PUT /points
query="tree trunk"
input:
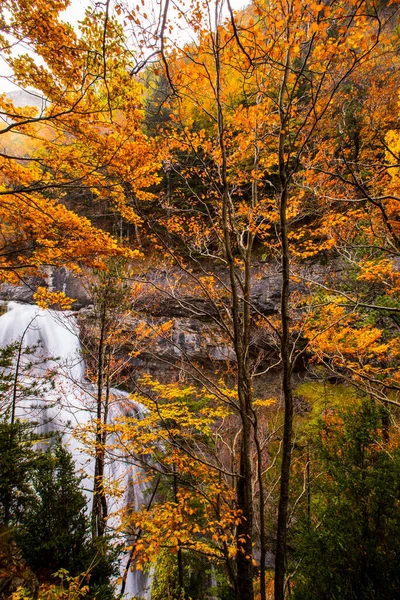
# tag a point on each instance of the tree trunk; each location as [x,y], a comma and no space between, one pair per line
[99,510]
[244,532]
[281,543]
[240,313]
[181,588]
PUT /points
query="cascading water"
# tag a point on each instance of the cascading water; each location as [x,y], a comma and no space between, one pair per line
[65,402]
[55,360]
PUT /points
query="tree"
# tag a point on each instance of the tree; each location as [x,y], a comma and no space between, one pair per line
[347,546]
[17,460]
[54,531]
[189,508]
[104,335]
[59,506]
[358,201]
[17,384]
[249,98]
[78,143]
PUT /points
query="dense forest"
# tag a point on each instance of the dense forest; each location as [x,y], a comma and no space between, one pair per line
[207,200]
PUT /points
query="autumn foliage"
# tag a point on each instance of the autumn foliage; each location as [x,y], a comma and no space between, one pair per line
[83,141]
[261,148]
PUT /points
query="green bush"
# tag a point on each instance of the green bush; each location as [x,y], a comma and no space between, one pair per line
[349,547]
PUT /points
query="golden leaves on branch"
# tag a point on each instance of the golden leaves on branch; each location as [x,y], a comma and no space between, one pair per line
[176,431]
[86,140]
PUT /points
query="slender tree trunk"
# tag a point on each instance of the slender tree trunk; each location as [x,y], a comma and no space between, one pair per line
[99,511]
[288,425]
[15,386]
[308,483]
[241,330]
[179,553]
[138,536]
[261,504]
[240,312]
[16,376]
[244,532]
[244,560]
[14,399]
[281,542]
[263,547]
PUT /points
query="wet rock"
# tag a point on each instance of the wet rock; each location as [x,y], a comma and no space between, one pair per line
[56,280]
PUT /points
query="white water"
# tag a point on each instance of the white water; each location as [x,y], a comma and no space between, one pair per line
[69,404]
[54,338]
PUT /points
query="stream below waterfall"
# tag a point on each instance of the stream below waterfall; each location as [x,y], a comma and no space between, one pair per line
[48,342]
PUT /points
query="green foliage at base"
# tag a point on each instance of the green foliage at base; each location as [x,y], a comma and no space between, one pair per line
[43,505]
[17,462]
[198,579]
[165,582]
[54,530]
[347,544]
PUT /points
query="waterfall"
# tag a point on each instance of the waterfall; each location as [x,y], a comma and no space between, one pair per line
[59,404]
[48,342]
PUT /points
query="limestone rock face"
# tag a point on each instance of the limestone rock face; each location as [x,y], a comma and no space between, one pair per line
[57,280]
[169,296]
[176,303]
[187,340]
[14,572]
[174,299]
[20,293]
